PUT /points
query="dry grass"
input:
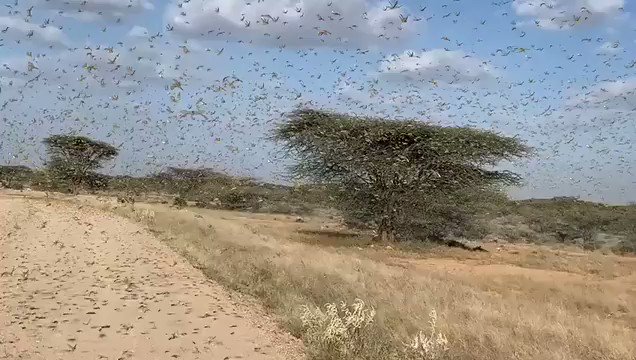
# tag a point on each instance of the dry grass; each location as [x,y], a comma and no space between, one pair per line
[564,221]
[515,302]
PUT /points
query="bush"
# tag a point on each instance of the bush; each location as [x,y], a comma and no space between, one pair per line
[144,216]
[235,200]
[14,185]
[626,245]
[349,332]
[338,331]
[201,204]
[15,177]
[179,202]
[569,221]
[428,346]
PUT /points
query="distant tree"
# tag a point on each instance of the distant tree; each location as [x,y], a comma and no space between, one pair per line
[76,158]
[188,182]
[15,176]
[397,174]
[192,175]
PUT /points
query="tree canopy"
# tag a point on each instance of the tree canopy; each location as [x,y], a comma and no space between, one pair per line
[382,165]
[75,158]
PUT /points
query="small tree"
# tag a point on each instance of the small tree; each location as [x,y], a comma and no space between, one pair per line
[75,158]
[394,172]
[15,176]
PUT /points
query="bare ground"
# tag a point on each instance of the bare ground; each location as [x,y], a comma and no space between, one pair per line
[80,283]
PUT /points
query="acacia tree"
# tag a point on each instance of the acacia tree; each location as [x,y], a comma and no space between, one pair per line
[76,158]
[393,172]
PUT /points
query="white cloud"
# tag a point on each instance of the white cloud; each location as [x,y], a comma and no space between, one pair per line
[617,94]
[95,10]
[610,48]
[437,67]
[18,29]
[138,31]
[566,14]
[298,23]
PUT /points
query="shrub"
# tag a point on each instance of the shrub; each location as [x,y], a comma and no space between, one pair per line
[626,245]
[338,330]
[15,185]
[179,202]
[237,200]
[201,204]
[431,346]
[145,216]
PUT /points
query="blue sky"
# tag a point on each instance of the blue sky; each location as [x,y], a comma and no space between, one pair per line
[200,83]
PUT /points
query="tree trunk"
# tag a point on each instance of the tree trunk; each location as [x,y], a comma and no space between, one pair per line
[75,187]
[386,231]
[386,227]
[386,236]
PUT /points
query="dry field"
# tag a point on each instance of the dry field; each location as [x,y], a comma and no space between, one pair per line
[513,302]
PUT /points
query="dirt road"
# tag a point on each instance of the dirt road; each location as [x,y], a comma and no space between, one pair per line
[78,283]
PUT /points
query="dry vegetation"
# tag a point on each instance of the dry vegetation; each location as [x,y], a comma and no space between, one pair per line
[514,302]
[559,221]
[551,286]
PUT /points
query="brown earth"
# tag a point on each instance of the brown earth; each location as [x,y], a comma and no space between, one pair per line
[80,283]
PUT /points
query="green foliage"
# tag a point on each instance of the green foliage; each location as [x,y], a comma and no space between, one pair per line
[15,177]
[626,245]
[209,188]
[471,214]
[571,219]
[391,172]
[566,221]
[186,182]
[74,159]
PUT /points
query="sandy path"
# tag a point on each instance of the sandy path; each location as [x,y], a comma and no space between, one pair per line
[77,283]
